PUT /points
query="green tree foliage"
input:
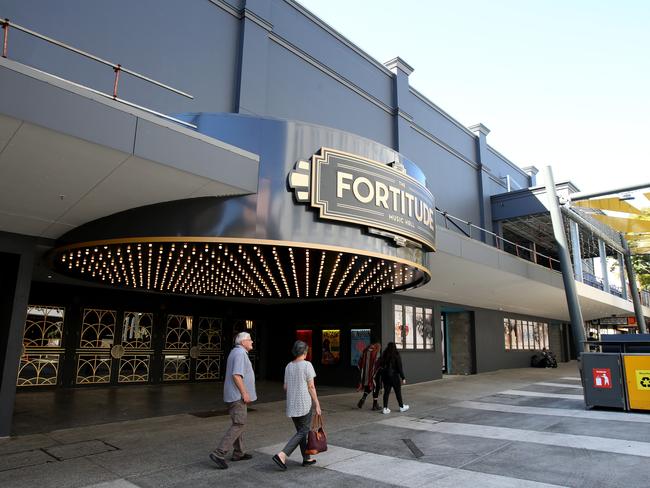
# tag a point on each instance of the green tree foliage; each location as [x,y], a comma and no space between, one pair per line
[641,263]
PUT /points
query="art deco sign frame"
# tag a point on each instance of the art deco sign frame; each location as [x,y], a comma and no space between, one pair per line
[356,190]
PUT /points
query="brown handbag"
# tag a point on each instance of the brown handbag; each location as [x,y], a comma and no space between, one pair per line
[316,439]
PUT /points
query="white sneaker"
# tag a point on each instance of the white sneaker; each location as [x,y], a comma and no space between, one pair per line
[404,408]
[385,411]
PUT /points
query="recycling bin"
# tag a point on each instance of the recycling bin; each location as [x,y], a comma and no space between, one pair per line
[602,380]
[637,380]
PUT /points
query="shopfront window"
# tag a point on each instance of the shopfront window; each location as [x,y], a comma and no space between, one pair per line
[524,334]
[413,327]
[408,328]
[399,326]
[508,333]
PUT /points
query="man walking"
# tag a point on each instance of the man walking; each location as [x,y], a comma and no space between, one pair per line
[238,392]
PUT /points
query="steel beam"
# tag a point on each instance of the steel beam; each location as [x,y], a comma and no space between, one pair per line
[577,323]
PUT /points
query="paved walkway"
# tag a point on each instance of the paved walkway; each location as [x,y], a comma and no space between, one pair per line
[512,428]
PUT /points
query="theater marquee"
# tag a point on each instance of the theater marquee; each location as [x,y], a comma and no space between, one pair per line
[356,190]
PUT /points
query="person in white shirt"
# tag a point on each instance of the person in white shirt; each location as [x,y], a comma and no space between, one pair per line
[302,401]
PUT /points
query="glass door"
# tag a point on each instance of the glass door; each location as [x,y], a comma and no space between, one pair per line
[135,350]
[176,353]
[42,346]
[97,337]
[208,349]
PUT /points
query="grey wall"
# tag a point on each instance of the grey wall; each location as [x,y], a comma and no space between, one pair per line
[490,347]
[491,353]
[471,330]
[420,365]
[559,340]
[262,57]
[448,132]
[193,48]
[452,181]
[500,167]
[298,90]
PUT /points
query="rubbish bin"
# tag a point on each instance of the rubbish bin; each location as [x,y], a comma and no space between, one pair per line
[602,380]
[637,379]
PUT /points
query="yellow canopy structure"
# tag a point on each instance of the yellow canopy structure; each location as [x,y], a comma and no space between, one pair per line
[631,221]
[625,225]
[613,204]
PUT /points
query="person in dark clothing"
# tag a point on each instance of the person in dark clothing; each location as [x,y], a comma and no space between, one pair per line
[392,376]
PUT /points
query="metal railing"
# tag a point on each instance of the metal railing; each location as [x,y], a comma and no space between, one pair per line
[645,297]
[490,238]
[116,67]
[616,290]
[473,231]
[592,280]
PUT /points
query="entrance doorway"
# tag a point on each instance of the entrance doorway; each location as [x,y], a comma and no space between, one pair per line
[105,346]
[458,341]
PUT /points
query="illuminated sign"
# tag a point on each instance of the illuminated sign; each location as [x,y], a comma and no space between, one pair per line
[356,190]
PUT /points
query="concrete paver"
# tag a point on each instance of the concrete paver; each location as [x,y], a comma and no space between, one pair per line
[463,432]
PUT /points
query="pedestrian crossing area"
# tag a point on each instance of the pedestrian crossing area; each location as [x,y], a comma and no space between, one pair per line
[567,396]
[406,472]
[468,443]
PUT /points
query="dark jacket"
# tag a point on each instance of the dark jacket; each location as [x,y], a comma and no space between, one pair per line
[393,368]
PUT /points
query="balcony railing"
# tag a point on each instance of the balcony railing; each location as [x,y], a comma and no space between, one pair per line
[116,68]
[592,280]
[645,298]
[468,229]
[448,221]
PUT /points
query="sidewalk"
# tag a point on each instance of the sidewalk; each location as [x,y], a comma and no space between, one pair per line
[511,428]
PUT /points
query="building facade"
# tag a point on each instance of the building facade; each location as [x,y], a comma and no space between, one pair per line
[304,190]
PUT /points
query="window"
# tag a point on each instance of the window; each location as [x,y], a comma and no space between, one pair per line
[413,327]
[408,327]
[423,328]
[506,334]
[399,329]
[524,334]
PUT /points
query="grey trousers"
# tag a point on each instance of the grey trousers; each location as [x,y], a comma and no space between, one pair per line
[234,436]
[303,424]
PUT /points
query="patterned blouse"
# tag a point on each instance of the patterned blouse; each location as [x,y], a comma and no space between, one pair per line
[296,376]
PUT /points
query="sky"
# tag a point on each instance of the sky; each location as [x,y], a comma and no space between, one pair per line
[564,83]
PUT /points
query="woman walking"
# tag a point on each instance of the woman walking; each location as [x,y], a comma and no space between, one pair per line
[370,380]
[301,397]
[392,376]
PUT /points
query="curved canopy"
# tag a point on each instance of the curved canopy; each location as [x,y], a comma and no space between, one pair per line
[630,220]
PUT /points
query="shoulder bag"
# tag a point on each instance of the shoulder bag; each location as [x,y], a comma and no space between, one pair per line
[316,439]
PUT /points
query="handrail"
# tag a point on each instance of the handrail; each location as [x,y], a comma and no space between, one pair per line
[645,297]
[117,69]
[586,278]
[497,238]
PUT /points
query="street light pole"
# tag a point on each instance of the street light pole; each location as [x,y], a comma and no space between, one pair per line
[575,313]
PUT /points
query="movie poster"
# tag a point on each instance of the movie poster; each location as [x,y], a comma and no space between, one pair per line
[305,335]
[408,327]
[331,346]
[359,340]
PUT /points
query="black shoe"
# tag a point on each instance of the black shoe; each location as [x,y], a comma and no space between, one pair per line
[308,462]
[278,461]
[375,406]
[360,404]
[243,457]
[220,462]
